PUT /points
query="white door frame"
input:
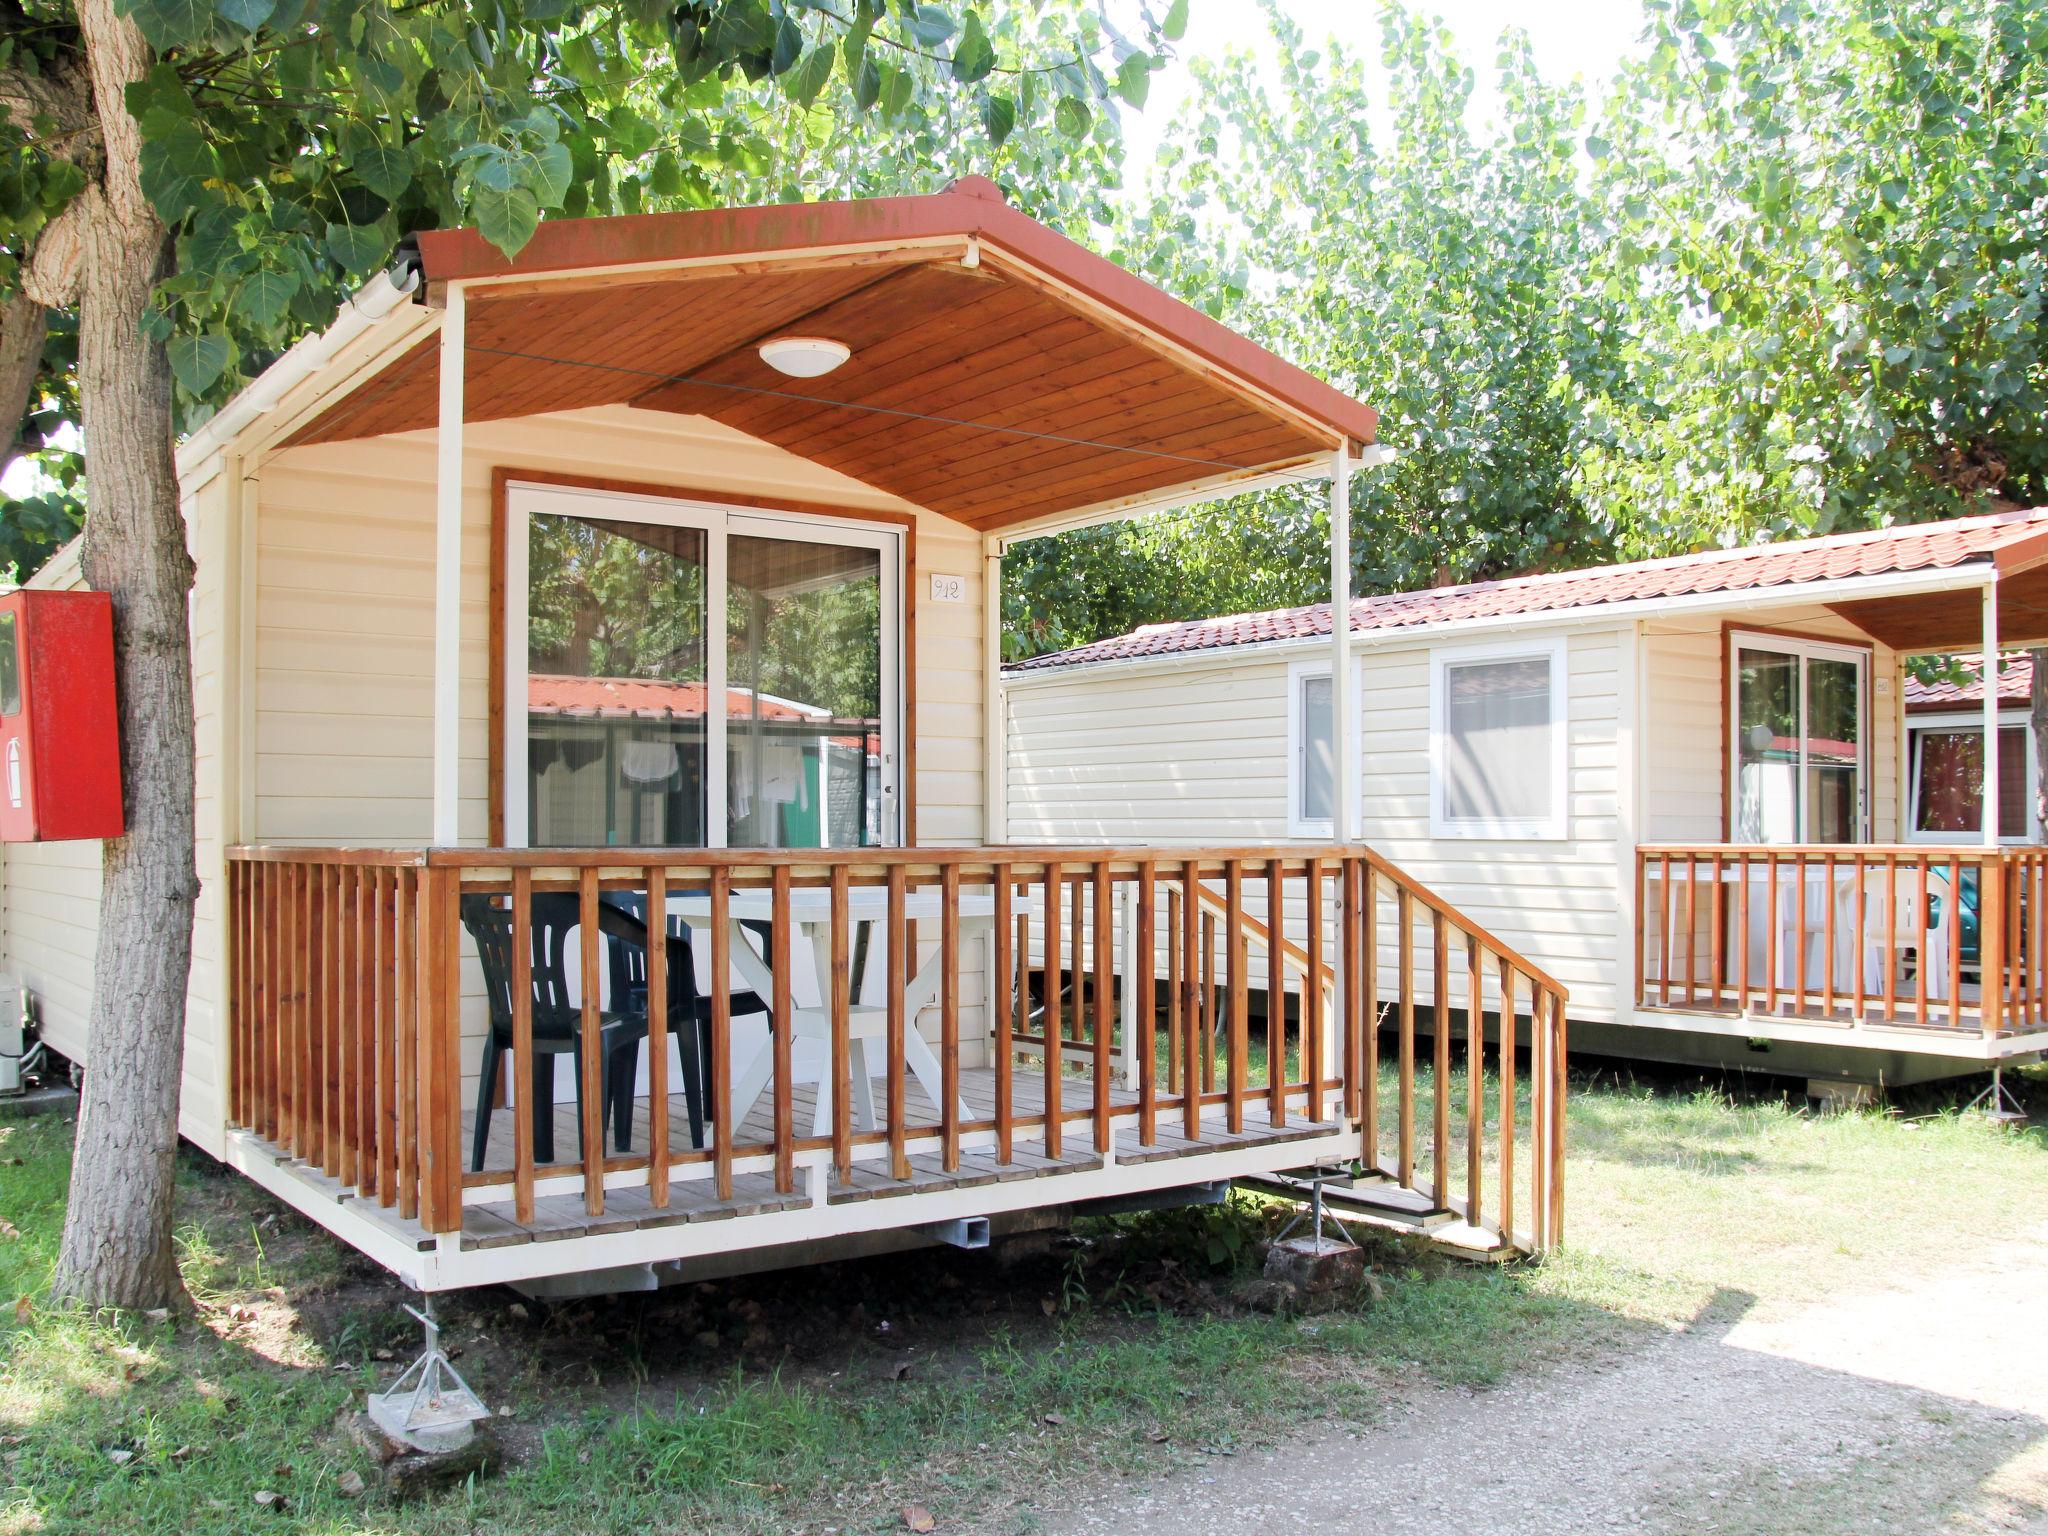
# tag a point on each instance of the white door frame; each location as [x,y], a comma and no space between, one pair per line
[1806,650]
[719,523]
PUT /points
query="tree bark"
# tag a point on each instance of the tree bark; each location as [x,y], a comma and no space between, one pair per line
[23,325]
[117,1234]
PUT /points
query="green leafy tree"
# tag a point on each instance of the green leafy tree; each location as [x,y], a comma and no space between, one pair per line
[1444,276]
[1829,224]
[197,182]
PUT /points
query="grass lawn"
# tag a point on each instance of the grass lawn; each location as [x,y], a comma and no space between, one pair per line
[834,1397]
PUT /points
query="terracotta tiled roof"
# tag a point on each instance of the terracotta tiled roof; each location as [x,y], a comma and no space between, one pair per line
[1919,546]
[638,698]
[2015,687]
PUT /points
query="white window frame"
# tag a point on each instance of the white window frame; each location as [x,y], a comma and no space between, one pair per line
[719,523]
[1740,640]
[1556,825]
[1965,719]
[1322,828]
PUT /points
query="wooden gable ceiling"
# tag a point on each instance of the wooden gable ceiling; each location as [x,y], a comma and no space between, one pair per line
[979,393]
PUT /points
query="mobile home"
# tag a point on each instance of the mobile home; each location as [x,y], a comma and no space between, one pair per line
[594,655]
[1705,793]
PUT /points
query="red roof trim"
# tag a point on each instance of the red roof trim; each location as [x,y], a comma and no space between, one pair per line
[1884,551]
[972,206]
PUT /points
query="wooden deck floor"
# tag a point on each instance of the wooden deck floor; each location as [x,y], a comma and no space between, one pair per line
[492,1223]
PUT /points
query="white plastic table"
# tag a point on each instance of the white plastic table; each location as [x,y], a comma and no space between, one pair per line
[810,910]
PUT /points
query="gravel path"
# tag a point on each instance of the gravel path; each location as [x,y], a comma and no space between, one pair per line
[1919,1409]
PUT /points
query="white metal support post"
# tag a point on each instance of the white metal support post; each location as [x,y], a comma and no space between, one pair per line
[1341,704]
[1990,676]
[448,574]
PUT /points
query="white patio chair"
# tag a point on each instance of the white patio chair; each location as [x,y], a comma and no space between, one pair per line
[1895,925]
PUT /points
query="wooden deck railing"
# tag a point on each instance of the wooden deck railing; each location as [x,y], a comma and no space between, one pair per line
[1911,937]
[349,1015]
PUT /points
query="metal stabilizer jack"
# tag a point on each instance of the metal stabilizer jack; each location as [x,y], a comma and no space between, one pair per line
[430,1407]
[1997,1100]
[1318,1214]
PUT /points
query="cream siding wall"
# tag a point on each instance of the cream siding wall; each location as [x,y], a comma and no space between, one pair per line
[345,598]
[1197,754]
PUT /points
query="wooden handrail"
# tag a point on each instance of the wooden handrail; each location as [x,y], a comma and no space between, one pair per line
[346,1016]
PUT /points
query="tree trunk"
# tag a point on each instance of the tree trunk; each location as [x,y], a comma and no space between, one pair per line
[117,1233]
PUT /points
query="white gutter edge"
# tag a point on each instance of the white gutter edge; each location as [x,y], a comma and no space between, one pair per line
[360,311]
[1970,574]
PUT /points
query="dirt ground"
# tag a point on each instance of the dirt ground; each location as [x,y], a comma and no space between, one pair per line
[1918,1408]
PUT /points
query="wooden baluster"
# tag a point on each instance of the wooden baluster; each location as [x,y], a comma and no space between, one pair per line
[1955,944]
[1077,951]
[1312,1016]
[348,1024]
[949,1024]
[366,1029]
[238,1008]
[1664,904]
[1558,1059]
[1774,913]
[388,985]
[657,1032]
[842,1009]
[782,1021]
[1175,1005]
[1921,928]
[1146,1004]
[333,1048]
[407,969]
[1276,996]
[1827,939]
[1538,1116]
[1235,956]
[1051,1031]
[1102,915]
[1191,1033]
[1859,939]
[440,1058]
[1717,913]
[2037,967]
[1742,934]
[1208,999]
[1507,1099]
[724,1117]
[1799,873]
[1692,917]
[1365,1002]
[1404,928]
[305,1097]
[896,941]
[525,1101]
[1005,1011]
[262,1001]
[1475,1078]
[1440,1061]
[591,1108]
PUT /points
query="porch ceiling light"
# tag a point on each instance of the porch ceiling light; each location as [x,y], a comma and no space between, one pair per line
[804,357]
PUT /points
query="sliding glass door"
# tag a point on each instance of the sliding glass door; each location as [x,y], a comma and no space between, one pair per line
[1798,773]
[689,675]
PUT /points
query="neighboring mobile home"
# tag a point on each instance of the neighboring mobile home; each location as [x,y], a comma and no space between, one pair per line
[472,567]
[1686,787]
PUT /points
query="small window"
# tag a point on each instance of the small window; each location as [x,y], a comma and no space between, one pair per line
[10,667]
[1312,752]
[1947,768]
[1497,743]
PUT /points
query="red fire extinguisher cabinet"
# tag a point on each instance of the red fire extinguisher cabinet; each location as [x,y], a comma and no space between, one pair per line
[60,762]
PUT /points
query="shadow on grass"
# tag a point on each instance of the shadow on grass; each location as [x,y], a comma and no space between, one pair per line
[971,1383]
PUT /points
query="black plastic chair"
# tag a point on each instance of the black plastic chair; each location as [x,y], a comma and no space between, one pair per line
[689,1009]
[557,1023]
